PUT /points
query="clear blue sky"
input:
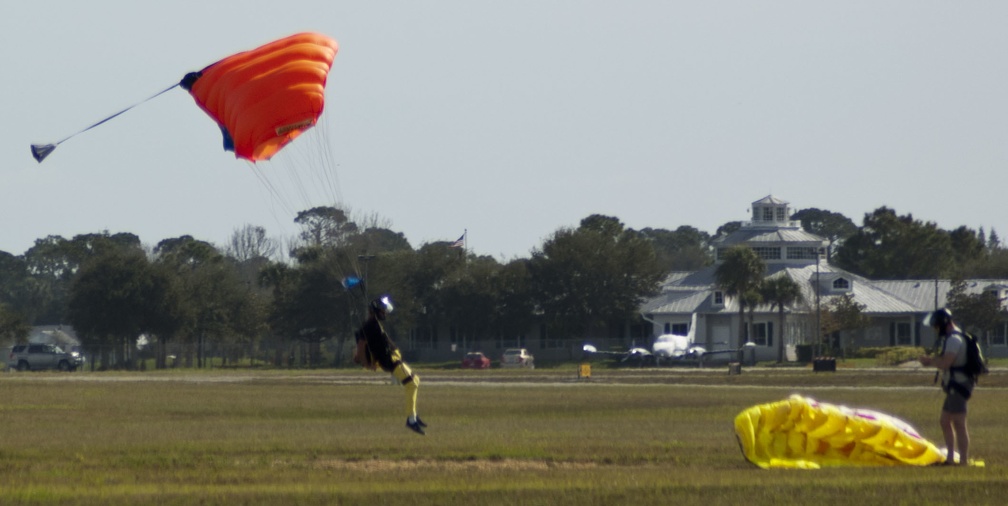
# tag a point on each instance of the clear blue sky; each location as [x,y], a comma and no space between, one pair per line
[513,119]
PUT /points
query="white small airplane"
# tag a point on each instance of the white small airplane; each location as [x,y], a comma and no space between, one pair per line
[665,347]
[676,346]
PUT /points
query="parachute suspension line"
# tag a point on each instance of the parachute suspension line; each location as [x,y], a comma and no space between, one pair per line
[279,204]
[307,164]
[326,176]
[297,182]
[300,177]
[41,151]
[357,290]
[280,177]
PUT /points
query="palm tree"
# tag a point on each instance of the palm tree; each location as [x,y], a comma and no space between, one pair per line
[740,272]
[781,291]
[751,298]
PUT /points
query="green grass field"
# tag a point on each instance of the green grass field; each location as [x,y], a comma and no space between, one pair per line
[496,437]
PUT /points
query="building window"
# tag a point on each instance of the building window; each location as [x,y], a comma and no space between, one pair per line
[998,335]
[902,337]
[763,334]
[781,214]
[679,329]
[767,214]
[767,253]
[841,284]
[719,298]
[802,253]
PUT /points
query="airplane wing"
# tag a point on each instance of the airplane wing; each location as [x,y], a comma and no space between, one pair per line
[632,355]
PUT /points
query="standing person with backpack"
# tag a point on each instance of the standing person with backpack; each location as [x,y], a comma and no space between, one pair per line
[955,381]
[376,349]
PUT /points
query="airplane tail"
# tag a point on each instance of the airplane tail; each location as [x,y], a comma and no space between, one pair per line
[691,334]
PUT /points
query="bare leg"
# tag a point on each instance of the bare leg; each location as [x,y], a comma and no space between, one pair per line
[958,421]
[950,436]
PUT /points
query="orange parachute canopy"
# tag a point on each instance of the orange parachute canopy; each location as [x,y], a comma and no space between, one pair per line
[264,98]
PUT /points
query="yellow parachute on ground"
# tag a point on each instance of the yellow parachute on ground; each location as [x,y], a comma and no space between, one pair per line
[804,434]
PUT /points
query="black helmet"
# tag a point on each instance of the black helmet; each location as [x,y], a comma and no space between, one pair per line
[381,306]
[940,318]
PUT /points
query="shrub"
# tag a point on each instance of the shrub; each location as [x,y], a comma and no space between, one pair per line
[897,355]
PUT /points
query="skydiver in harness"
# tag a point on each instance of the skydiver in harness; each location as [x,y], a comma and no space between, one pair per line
[957,386]
[376,349]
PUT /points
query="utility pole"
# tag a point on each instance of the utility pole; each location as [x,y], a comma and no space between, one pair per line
[936,293]
[818,311]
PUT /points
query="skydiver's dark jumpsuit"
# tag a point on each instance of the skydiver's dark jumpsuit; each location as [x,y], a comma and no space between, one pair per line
[382,351]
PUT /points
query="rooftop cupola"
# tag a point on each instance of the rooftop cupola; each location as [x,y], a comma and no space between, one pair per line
[770,211]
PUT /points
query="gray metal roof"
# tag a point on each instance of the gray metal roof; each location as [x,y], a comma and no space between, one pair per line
[921,292]
[703,278]
[675,302]
[771,235]
[876,300]
[770,199]
[686,292]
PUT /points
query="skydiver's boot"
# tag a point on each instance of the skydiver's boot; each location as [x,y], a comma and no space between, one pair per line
[413,424]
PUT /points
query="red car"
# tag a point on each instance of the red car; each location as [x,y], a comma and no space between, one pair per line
[475,360]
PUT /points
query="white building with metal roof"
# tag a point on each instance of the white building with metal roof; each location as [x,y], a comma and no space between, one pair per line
[895,308]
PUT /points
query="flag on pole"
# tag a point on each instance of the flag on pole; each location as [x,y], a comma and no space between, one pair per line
[459,243]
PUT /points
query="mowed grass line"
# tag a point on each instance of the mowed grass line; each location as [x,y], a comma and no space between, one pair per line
[326,439]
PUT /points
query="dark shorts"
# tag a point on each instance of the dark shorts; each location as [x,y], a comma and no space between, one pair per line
[955,403]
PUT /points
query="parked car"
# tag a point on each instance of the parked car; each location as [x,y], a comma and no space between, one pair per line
[475,360]
[34,357]
[517,357]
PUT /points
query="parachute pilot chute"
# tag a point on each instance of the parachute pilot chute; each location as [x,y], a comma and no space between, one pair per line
[41,151]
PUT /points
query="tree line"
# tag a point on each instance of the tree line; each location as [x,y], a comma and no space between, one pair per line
[255,298]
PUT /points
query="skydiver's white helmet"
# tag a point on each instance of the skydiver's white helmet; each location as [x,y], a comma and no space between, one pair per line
[940,319]
[381,307]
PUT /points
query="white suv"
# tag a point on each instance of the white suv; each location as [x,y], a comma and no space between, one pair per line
[517,357]
[25,357]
